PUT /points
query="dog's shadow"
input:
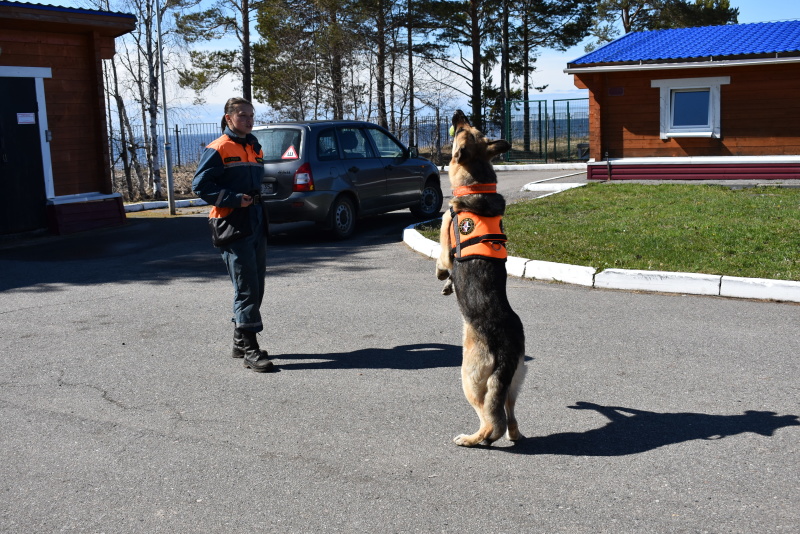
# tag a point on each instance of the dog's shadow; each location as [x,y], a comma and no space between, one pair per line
[403,357]
[631,431]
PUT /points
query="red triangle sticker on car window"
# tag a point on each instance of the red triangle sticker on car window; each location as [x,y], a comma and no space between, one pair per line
[290,153]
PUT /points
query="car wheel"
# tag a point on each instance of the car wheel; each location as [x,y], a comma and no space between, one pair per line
[431,202]
[342,218]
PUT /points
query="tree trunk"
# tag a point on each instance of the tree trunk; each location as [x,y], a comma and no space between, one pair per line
[411,125]
[476,102]
[152,106]
[526,75]
[123,140]
[152,109]
[505,78]
[380,66]
[247,75]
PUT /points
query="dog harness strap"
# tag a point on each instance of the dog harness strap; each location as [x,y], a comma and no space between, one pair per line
[456,250]
[474,189]
[484,237]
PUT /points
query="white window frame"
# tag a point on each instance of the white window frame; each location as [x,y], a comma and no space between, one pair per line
[712,85]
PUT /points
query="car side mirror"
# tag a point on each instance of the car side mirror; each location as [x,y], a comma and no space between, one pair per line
[413,152]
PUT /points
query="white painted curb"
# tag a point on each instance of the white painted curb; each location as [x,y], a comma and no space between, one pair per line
[760,288]
[160,204]
[669,282]
[560,272]
[419,243]
[516,266]
[556,188]
[633,280]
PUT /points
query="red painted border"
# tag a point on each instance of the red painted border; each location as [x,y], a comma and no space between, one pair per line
[694,171]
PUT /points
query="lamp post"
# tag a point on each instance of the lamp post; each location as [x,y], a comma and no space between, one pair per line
[167,145]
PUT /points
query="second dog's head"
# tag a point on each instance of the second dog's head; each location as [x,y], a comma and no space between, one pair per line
[472,154]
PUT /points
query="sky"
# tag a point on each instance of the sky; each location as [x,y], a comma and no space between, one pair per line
[549,70]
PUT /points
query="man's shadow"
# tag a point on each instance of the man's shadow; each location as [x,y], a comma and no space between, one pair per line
[404,357]
[631,431]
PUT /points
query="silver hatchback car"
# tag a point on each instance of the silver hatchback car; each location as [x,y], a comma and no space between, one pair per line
[333,172]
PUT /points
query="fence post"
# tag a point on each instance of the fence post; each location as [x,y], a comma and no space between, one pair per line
[546,132]
[555,131]
[569,132]
[509,137]
[178,144]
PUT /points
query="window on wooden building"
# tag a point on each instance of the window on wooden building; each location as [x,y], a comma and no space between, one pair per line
[690,107]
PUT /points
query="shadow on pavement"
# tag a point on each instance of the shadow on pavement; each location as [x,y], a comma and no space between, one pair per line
[631,431]
[404,357]
[159,249]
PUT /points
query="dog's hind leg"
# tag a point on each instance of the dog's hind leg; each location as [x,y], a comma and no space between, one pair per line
[491,412]
[513,433]
[484,392]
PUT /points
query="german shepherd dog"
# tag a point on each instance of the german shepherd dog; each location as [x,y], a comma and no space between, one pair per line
[492,368]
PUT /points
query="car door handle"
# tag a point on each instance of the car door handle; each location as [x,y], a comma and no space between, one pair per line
[353,169]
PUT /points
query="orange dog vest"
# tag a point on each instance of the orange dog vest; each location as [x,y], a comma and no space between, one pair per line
[477,237]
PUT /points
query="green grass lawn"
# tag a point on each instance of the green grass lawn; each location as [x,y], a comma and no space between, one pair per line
[752,232]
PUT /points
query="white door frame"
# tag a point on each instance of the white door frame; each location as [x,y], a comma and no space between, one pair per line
[38,74]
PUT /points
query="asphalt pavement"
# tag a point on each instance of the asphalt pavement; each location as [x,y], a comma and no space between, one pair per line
[122,412]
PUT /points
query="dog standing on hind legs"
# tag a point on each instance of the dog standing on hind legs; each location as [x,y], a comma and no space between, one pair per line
[472,262]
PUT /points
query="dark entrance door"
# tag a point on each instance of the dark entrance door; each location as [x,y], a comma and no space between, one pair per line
[22,192]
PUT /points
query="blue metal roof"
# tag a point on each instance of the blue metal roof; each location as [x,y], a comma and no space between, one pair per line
[47,7]
[701,42]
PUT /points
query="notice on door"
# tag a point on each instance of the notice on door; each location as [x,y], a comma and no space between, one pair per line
[26,118]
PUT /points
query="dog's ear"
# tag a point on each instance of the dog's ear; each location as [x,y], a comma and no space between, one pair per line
[495,148]
[462,154]
[464,149]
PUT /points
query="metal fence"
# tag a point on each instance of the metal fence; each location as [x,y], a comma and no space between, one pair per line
[187,143]
[539,131]
[543,131]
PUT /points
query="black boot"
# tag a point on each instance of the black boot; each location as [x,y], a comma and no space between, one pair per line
[254,358]
[238,344]
[239,347]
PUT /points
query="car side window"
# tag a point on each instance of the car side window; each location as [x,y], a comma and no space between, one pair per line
[327,149]
[387,147]
[354,144]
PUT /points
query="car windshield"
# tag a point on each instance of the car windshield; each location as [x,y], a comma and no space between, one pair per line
[279,144]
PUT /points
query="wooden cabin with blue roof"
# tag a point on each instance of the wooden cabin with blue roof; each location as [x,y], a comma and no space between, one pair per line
[713,102]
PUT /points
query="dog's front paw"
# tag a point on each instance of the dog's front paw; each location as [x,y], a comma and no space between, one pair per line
[465,440]
[442,273]
[448,287]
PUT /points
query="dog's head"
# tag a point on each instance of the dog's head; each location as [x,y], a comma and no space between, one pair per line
[472,154]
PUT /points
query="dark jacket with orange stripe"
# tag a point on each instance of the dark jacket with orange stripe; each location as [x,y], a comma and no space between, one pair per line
[229,168]
[476,236]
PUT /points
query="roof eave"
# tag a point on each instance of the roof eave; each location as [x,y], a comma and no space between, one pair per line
[32,17]
[704,64]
